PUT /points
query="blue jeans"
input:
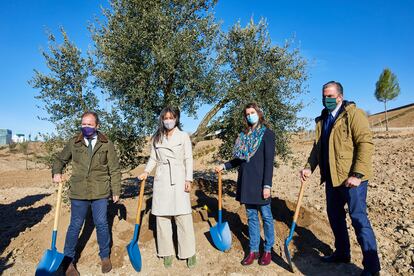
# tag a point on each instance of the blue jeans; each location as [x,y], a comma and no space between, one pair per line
[254,226]
[79,209]
[355,198]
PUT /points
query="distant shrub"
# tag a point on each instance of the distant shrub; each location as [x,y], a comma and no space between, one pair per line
[12,147]
[51,147]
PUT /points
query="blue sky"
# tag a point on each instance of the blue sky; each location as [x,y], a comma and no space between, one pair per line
[347,41]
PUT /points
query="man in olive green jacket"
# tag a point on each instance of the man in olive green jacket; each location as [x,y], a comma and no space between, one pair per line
[343,150]
[95,175]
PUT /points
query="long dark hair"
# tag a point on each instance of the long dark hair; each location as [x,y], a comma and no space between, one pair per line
[262,121]
[161,128]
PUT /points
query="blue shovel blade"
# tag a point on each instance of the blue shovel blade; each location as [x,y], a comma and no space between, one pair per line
[133,251]
[287,254]
[287,241]
[134,256]
[49,263]
[221,236]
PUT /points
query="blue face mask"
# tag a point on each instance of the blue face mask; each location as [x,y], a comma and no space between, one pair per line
[88,132]
[252,118]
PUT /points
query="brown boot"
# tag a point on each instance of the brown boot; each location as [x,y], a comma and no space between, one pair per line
[106,265]
[71,270]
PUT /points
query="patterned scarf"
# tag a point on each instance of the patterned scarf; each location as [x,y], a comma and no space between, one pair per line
[247,144]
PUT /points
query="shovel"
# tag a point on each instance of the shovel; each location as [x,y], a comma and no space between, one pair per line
[221,232]
[132,248]
[292,229]
[51,259]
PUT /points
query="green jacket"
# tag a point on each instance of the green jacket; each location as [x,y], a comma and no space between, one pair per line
[92,178]
[350,145]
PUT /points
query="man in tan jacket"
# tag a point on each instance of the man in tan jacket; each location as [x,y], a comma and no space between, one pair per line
[343,150]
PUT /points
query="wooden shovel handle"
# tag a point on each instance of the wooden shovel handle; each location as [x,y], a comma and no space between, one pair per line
[58,203]
[219,190]
[141,196]
[298,203]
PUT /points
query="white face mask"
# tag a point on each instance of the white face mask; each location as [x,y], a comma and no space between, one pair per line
[169,124]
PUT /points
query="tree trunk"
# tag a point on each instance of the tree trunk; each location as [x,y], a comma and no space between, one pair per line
[168,90]
[82,101]
[386,116]
[202,127]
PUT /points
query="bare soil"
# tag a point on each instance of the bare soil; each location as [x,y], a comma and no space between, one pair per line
[27,200]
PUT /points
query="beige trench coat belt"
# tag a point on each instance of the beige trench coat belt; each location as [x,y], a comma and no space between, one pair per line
[168,163]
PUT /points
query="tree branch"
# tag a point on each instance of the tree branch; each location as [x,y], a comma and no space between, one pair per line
[202,127]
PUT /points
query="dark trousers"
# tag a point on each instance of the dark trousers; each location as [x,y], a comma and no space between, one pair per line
[79,209]
[355,198]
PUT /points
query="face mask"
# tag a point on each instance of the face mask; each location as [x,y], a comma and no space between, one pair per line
[169,124]
[252,118]
[88,131]
[329,103]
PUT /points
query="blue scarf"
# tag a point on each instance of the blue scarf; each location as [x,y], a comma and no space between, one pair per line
[247,144]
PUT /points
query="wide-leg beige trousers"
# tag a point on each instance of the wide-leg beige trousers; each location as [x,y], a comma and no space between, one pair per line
[185,236]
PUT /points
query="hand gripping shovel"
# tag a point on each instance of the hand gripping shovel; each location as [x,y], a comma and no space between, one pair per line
[132,248]
[292,229]
[51,259]
[221,232]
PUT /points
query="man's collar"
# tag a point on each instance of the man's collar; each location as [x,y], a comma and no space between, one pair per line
[101,137]
[91,138]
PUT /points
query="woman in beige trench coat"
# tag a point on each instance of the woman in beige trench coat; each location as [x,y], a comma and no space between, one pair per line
[171,155]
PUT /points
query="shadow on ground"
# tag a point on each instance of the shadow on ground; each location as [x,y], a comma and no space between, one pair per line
[306,247]
[15,218]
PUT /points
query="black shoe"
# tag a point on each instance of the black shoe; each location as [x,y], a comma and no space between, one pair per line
[369,273]
[335,258]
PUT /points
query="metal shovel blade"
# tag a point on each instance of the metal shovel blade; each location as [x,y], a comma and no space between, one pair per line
[49,263]
[221,236]
[133,251]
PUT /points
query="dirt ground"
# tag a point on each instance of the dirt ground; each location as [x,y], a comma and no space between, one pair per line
[27,200]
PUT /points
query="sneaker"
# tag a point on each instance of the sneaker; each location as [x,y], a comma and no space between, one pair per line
[168,261]
[192,261]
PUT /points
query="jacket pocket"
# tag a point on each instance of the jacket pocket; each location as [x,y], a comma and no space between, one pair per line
[103,157]
[78,154]
[344,164]
[76,185]
[345,131]
[102,187]
[345,155]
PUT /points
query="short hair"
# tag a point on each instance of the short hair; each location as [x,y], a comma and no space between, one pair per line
[338,85]
[91,113]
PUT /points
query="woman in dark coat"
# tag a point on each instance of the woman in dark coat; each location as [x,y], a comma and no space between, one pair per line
[254,153]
